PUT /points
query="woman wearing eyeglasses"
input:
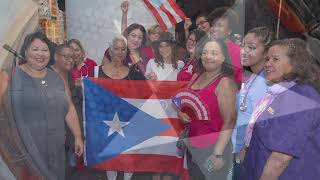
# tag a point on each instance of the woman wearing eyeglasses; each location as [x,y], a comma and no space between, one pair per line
[63,63]
[202,24]
[42,108]
[189,68]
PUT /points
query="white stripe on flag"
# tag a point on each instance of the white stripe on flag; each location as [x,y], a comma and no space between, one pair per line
[157,108]
[172,11]
[160,145]
[163,15]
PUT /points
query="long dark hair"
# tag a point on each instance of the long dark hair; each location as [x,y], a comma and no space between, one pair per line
[158,58]
[305,69]
[227,68]
[198,34]
[134,26]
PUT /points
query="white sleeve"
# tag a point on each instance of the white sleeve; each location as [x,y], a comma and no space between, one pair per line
[149,66]
[96,71]
[180,65]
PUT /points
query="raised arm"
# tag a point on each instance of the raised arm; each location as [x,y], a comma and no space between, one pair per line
[124,20]
[186,26]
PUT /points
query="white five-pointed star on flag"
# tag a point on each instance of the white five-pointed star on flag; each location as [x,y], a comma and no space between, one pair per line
[116,125]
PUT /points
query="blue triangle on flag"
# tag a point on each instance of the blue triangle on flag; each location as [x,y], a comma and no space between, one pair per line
[101,105]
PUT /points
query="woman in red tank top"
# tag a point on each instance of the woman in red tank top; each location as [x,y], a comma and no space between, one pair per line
[207,107]
[189,68]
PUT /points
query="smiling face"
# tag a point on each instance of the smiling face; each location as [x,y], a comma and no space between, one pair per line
[252,50]
[154,34]
[202,24]
[78,54]
[37,55]
[277,64]
[64,59]
[135,38]
[212,56]
[165,50]
[118,51]
[191,43]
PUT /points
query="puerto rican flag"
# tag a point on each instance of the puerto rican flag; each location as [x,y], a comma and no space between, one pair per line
[131,126]
[166,12]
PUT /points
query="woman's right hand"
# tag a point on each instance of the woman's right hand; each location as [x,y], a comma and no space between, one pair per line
[184,117]
[125,6]
[187,24]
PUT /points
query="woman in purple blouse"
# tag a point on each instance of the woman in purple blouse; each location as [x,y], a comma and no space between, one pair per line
[283,133]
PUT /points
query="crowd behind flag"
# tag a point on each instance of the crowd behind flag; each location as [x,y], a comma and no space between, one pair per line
[132,126]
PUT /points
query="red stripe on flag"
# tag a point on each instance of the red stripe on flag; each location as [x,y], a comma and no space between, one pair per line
[145,163]
[170,16]
[176,127]
[177,9]
[141,89]
[156,15]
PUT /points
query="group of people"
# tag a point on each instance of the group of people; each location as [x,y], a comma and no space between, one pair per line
[261,123]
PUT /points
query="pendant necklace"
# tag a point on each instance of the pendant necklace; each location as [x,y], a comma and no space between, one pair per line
[243,104]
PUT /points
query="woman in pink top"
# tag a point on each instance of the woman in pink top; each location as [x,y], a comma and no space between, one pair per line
[223,21]
[207,107]
[189,68]
[84,67]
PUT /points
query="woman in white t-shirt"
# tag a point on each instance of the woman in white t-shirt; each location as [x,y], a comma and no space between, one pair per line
[164,66]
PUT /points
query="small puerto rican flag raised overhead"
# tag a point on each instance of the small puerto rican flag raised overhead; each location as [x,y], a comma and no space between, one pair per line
[167,12]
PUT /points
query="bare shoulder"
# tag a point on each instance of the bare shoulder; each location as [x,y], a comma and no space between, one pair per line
[226,85]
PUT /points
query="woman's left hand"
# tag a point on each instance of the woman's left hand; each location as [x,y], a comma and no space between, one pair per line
[78,146]
[218,162]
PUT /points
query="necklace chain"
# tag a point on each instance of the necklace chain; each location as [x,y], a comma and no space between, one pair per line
[243,104]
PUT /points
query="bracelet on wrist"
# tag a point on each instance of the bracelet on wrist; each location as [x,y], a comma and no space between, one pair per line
[218,155]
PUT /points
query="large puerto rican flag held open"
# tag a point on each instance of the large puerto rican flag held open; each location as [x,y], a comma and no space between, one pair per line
[131,126]
[166,12]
